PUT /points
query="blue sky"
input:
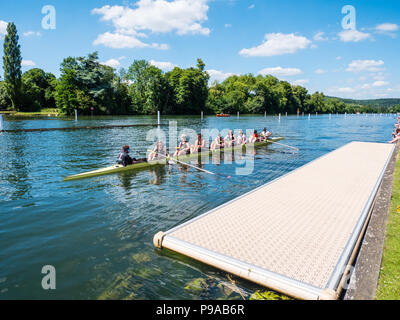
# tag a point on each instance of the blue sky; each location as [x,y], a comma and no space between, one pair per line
[303,42]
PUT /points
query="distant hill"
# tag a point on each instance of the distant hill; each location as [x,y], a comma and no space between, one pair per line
[375,103]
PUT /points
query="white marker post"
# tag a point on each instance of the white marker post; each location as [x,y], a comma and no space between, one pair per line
[265,114]
[1,122]
[202,115]
[158,118]
[76,115]
[279,117]
[238,115]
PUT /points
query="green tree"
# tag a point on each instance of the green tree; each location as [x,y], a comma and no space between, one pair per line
[188,90]
[122,100]
[156,92]
[38,90]
[5,101]
[200,65]
[216,102]
[301,94]
[138,76]
[85,84]
[66,92]
[12,60]
[316,103]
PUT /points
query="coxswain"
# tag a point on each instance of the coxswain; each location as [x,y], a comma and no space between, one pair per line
[125,159]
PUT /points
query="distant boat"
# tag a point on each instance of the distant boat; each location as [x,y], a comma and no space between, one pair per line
[223,115]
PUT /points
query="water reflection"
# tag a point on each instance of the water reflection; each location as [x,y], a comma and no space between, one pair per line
[157,175]
[18,173]
[126,179]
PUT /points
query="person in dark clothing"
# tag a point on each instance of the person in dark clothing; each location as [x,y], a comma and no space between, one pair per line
[126,160]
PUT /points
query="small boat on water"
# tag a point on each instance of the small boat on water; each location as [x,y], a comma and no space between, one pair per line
[145,165]
[223,115]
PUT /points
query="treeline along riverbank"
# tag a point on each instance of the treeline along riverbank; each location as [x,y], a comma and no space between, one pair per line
[90,87]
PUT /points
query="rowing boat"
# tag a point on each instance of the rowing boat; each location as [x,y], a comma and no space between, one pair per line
[223,115]
[145,165]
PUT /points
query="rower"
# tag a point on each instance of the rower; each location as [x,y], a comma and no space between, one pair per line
[396,136]
[254,138]
[265,134]
[218,143]
[159,151]
[183,147]
[241,139]
[199,145]
[230,139]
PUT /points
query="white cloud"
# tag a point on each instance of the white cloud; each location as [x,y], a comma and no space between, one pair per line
[380,84]
[320,71]
[252,6]
[346,90]
[320,37]
[364,91]
[300,82]
[228,25]
[31,33]
[216,75]
[381,95]
[387,27]
[341,90]
[113,63]
[279,71]
[353,36]
[28,63]
[277,44]
[166,66]
[365,65]
[120,41]
[379,76]
[3,27]
[155,16]
[339,58]
[365,86]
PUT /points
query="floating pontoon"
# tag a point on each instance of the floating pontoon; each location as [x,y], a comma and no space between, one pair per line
[297,235]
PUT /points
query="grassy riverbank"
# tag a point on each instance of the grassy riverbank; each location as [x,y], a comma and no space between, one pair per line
[389,280]
[42,113]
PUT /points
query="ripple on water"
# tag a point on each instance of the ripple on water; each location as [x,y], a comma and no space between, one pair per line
[98,232]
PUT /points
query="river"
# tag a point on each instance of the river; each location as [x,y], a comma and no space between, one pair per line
[98,232]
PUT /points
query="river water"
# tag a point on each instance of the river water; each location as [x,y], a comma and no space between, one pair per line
[98,232]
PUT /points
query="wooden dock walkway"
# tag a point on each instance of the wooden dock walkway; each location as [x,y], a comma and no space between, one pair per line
[298,234]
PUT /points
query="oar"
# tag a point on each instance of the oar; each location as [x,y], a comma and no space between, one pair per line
[284,145]
[190,165]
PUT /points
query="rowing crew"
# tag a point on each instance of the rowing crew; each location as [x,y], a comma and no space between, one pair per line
[184,147]
[231,140]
